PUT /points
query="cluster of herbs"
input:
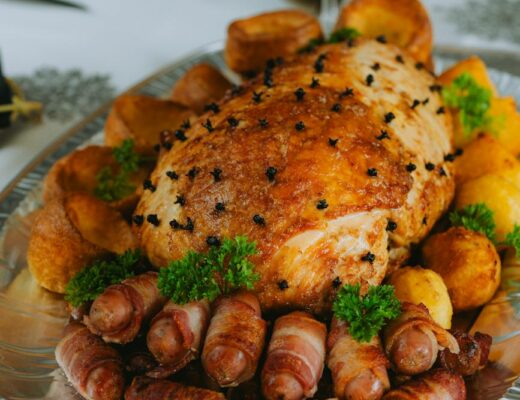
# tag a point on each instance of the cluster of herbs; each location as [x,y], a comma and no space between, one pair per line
[221,270]
[341,35]
[116,184]
[90,282]
[472,101]
[366,314]
[479,217]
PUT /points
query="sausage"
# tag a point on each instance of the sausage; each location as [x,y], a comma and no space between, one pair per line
[93,368]
[119,312]
[176,335]
[295,357]
[358,369]
[474,352]
[412,341]
[145,388]
[235,339]
[433,385]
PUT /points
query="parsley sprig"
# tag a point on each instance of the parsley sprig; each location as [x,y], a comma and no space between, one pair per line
[115,186]
[367,314]
[471,100]
[220,271]
[476,217]
[513,239]
[90,282]
[337,36]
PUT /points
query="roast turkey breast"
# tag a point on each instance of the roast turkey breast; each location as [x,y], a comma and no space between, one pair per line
[334,162]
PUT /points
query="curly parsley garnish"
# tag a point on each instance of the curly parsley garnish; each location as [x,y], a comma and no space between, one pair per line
[115,186]
[471,100]
[513,239]
[367,314]
[475,217]
[90,282]
[205,276]
[337,36]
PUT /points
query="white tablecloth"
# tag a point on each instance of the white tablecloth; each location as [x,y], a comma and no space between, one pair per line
[130,39]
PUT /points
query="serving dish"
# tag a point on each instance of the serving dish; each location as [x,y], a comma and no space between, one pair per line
[31,318]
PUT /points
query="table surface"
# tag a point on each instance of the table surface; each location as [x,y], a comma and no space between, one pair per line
[114,44]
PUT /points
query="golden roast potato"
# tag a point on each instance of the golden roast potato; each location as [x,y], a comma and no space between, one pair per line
[403,22]
[475,67]
[252,41]
[468,263]
[418,285]
[200,85]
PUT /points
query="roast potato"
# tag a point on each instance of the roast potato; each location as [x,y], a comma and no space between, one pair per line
[199,86]
[468,263]
[252,41]
[483,155]
[69,234]
[143,118]
[475,67]
[403,22]
[501,196]
[506,123]
[77,172]
[418,285]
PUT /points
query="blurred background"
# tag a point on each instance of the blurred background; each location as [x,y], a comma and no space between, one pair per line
[75,55]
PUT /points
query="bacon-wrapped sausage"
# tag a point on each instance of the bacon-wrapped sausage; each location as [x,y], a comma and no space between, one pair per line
[144,388]
[118,313]
[93,367]
[176,335]
[413,340]
[295,357]
[473,354]
[434,385]
[235,339]
[358,369]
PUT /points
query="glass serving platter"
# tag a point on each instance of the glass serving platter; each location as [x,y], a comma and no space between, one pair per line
[32,319]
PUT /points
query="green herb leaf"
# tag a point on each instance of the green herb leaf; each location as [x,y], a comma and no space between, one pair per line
[472,101]
[115,186]
[220,271]
[476,217]
[343,34]
[513,239]
[90,282]
[366,315]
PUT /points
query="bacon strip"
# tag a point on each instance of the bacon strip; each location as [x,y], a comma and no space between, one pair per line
[144,388]
[176,335]
[295,357]
[235,339]
[118,314]
[474,352]
[413,340]
[93,367]
[358,369]
[434,385]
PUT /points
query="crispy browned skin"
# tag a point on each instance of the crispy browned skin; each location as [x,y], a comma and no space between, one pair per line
[300,241]
[435,385]
[176,335]
[358,369]
[473,355]
[403,22]
[70,233]
[77,171]
[295,357]
[235,339]
[252,41]
[200,85]
[93,367]
[119,312]
[143,388]
[142,119]
[412,341]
